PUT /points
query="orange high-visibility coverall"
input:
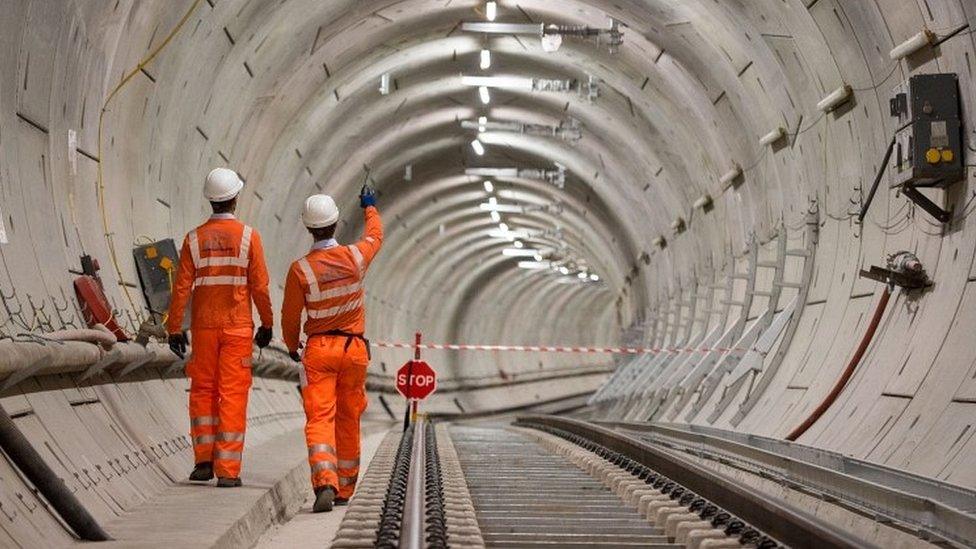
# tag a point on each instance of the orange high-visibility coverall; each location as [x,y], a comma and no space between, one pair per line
[222,263]
[328,284]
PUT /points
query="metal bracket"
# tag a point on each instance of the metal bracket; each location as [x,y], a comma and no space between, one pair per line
[911,192]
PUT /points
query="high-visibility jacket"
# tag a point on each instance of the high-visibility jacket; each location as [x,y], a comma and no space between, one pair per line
[222,264]
[328,284]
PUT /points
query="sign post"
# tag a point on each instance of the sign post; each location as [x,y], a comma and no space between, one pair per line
[415,380]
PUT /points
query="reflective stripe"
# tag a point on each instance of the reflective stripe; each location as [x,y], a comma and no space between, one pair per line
[322,466]
[242,259]
[203,420]
[357,256]
[221,281]
[224,454]
[338,291]
[370,239]
[223,261]
[335,311]
[194,244]
[204,439]
[348,463]
[346,481]
[230,437]
[320,449]
[313,293]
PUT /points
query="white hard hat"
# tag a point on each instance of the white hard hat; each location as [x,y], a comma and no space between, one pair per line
[320,211]
[222,185]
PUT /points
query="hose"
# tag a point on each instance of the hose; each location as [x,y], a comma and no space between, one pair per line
[23,455]
[848,372]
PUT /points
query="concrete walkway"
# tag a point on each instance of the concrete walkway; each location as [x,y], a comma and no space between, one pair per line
[202,515]
[307,529]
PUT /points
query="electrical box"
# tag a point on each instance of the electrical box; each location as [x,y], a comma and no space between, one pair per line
[928,141]
[157,264]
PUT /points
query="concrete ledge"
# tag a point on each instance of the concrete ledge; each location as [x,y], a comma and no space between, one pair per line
[275,479]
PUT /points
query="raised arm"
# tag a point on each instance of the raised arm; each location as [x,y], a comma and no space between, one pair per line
[372,235]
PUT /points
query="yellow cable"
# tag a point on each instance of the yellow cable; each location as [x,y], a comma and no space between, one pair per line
[101,158]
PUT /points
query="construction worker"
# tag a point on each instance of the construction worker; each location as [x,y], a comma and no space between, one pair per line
[328,284]
[222,264]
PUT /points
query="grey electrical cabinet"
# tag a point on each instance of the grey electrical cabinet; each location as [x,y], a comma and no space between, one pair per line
[928,143]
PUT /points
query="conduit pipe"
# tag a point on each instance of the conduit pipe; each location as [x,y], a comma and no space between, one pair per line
[849,371]
[19,450]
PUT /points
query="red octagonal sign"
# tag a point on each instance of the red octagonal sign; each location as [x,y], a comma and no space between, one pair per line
[416,380]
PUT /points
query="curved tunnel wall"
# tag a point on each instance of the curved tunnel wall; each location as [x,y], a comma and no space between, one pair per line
[286,93]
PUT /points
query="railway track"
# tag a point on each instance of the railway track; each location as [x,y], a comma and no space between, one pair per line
[556,482]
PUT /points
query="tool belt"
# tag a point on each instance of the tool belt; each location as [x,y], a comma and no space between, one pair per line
[349,337]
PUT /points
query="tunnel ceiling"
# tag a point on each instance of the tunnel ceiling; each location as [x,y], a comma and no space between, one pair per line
[288,94]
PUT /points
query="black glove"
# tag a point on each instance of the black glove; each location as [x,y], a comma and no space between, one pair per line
[177,344]
[263,337]
[367,197]
[295,356]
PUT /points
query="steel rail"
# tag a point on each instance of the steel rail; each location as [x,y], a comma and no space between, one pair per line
[415,503]
[923,506]
[783,522]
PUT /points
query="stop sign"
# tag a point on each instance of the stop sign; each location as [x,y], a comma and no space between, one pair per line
[416,380]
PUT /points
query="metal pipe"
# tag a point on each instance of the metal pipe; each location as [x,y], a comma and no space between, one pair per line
[848,372]
[19,450]
[414,507]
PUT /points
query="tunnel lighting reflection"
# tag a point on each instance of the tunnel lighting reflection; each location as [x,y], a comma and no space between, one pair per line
[489,187]
[534,264]
[518,244]
[564,270]
[498,82]
[485,59]
[503,227]
[491,10]
[479,149]
[594,277]
[485,95]
[496,217]
[515,252]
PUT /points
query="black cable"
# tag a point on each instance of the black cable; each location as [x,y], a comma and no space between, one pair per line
[877,181]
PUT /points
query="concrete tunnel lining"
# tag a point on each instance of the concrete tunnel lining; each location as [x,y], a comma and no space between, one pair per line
[687,97]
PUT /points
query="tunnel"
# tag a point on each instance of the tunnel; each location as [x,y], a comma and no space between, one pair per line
[708,252]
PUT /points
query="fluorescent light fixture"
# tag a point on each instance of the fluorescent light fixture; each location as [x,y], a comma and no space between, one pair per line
[498,82]
[912,45]
[509,235]
[491,10]
[482,120]
[534,264]
[518,244]
[496,217]
[534,29]
[582,275]
[537,257]
[385,84]
[479,149]
[485,59]
[492,172]
[772,137]
[678,225]
[489,187]
[835,99]
[703,202]
[484,94]
[515,252]
[563,270]
[503,227]
[503,208]
[492,200]
[594,277]
[729,177]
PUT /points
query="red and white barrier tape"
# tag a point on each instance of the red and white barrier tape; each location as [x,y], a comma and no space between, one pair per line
[551,349]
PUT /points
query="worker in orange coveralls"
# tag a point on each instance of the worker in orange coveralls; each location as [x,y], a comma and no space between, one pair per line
[328,284]
[222,264]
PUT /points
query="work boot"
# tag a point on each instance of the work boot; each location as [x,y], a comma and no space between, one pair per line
[324,498]
[341,501]
[202,472]
[228,482]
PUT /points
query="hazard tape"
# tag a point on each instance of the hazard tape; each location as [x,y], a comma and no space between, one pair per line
[553,349]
